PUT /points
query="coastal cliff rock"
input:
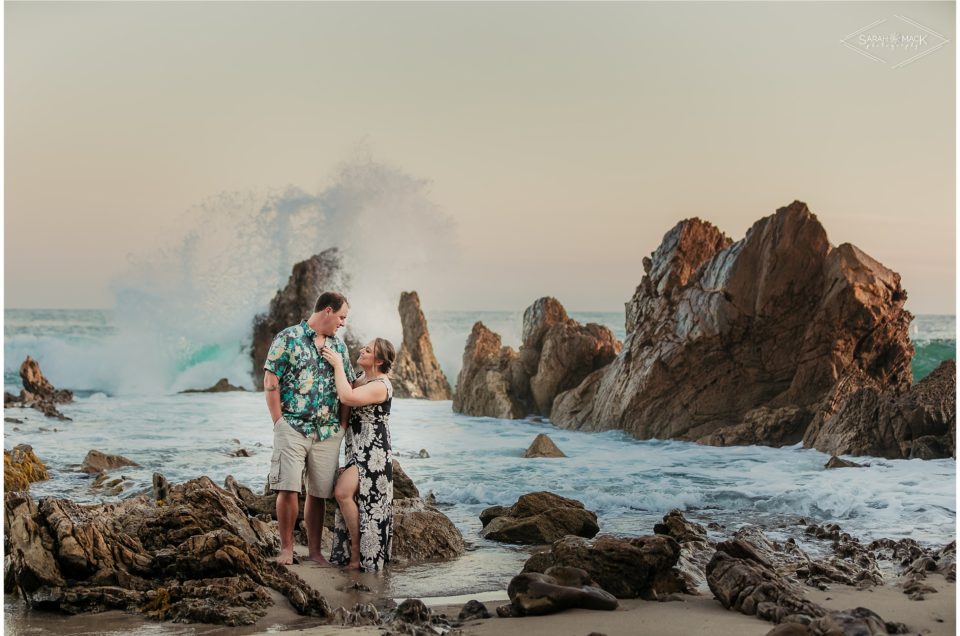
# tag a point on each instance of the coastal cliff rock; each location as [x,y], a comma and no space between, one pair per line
[38,393]
[870,420]
[295,302]
[536,518]
[556,354]
[731,343]
[417,373]
[198,558]
[22,467]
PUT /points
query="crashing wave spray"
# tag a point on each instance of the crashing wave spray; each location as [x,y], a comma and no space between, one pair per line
[184,314]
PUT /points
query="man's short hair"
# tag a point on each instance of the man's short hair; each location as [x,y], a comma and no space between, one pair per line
[330,299]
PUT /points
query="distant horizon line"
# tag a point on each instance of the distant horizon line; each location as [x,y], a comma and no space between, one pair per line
[577,311]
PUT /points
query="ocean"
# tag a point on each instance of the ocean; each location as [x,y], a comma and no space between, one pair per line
[127,381]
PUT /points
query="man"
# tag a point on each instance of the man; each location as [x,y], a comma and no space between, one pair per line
[308,419]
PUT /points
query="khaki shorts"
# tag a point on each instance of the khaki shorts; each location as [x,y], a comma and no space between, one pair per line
[292,451]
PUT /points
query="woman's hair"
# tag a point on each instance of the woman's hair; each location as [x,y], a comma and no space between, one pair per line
[385,353]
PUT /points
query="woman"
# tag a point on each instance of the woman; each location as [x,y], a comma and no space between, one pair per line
[363,529]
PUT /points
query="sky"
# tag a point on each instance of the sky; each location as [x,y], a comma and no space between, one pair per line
[554,143]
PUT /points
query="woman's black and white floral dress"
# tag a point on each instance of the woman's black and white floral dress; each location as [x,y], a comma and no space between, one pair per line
[367,446]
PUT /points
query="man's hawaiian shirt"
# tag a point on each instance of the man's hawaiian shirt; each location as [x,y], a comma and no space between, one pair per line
[308,393]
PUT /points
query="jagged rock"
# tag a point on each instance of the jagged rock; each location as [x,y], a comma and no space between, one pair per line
[240,452]
[473,610]
[361,614]
[543,446]
[490,382]
[22,467]
[37,392]
[414,618]
[852,622]
[161,487]
[295,302]
[623,566]
[866,418]
[423,454]
[741,342]
[836,462]
[222,385]
[200,557]
[421,532]
[696,550]
[557,353]
[743,582]
[538,517]
[675,525]
[99,462]
[559,588]
[403,486]
[417,373]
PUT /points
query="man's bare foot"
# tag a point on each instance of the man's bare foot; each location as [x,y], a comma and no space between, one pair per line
[286,557]
[353,565]
[320,560]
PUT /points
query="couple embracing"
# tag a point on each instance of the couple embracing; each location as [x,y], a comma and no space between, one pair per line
[316,401]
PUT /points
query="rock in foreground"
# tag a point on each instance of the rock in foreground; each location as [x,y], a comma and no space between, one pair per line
[537,518]
[558,589]
[417,373]
[21,467]
[199,558]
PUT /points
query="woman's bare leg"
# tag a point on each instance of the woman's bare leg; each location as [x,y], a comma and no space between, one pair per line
[346,491]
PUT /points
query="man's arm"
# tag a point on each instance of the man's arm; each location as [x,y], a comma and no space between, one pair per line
[271,387]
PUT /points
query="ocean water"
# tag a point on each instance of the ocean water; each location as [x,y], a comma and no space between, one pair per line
[474,462]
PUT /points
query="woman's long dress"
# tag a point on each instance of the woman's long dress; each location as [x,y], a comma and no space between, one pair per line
[367,446]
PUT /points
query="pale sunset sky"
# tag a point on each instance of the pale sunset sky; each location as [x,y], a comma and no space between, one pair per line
[554,142]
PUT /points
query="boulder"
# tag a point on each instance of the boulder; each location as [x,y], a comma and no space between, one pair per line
[556,354]
[199,558]
[21,467]
[866,418]
[836,462]
[626,567]
[99,462]
[543,446]
[38,393]
[538,518]
[742,342]
[416,373]
[421,532]
[403,486]
[559,588]
[222,386]
[295,302]
[473,610]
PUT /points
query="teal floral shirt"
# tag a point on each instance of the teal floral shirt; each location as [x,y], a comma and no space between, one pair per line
[308,392]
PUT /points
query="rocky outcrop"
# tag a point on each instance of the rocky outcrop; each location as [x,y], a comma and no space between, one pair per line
[22,467]
[198,558]
[222,386]
[862,417]
[558,589]
[100,462]
[626,567]
[421,533]
[556,354]
[416,373]
[836,462]
[37,392]
[295,302]
[538,518]
[543,446]
[732,343]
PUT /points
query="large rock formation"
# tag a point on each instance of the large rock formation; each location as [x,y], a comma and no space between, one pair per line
[416,373]
[867,419]
[556,354]
[733,343]
[38,392]
[295,302]
[557,589]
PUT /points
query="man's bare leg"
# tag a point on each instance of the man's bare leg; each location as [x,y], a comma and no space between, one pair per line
[345,492]
[313,511]
[287,509]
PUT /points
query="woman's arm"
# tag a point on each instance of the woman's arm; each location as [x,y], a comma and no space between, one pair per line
[371,393]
